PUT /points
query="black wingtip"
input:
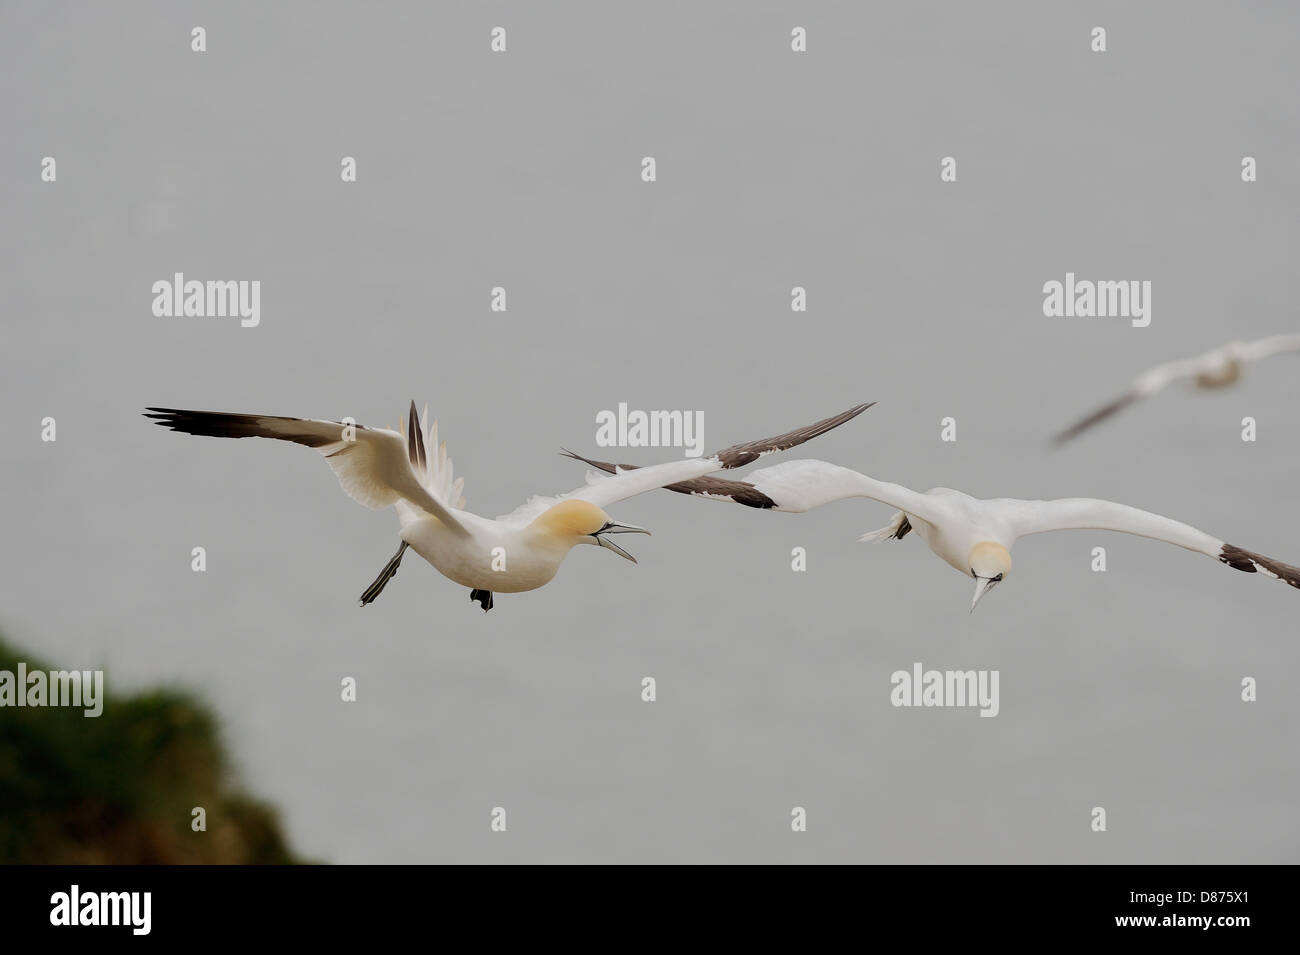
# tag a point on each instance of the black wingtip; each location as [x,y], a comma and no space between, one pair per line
[611,468]
[1067,435]
[1239,558]
[852,412]
[163,417]
[859,409]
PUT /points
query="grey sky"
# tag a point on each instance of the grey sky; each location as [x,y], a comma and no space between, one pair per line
[774,170]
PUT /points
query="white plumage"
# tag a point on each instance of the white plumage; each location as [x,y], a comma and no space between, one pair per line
[517,552]
[972,535]
[956,525]
[1218,368]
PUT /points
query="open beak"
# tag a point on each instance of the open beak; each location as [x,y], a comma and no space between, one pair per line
[613,528]
[982,586]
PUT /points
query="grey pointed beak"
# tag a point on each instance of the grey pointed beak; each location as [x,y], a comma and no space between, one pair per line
[613,528]
[982,586]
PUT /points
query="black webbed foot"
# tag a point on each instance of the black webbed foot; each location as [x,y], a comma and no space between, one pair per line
[484,597]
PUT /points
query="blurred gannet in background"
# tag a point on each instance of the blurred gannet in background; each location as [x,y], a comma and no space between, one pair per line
[519,551]
[974,536]
[1215,369]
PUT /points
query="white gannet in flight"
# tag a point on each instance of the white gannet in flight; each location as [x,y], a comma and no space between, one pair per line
[519,551]
[1215,369]
[972,535]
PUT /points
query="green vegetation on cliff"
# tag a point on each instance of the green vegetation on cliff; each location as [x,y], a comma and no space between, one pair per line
[121,787]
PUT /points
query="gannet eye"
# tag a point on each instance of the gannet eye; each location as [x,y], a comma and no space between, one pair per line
[997,579]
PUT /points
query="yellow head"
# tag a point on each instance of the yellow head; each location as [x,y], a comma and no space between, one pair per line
[990,563]
[580,522]
[571,518]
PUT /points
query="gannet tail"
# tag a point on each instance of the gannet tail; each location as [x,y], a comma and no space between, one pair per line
[898,528]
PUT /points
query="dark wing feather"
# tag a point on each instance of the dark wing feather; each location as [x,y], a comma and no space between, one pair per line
[222,424]
[1101,414]
[738,455]
[415,442]
[1250,562]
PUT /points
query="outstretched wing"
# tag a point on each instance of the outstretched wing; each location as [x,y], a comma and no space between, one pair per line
[799,486]
[628,480]
[711,488]
[1079,513]
[1144,386]
[604,490]
[372,464]
[741,492]
[1273,345]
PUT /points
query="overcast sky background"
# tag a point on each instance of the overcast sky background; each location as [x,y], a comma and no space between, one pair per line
[1118,689]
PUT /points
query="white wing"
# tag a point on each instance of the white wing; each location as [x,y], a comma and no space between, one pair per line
[799,486]
[372,464]
[1075,513]
[604,489]
[1274,345]
[1080,513]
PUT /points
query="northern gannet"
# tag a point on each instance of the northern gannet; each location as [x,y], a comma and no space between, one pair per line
[974,536]
[519,551]
[1215,369]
